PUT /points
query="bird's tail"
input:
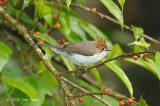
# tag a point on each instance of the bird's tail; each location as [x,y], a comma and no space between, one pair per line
[42,45]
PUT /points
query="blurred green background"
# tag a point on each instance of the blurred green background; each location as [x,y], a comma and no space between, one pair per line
[142,13]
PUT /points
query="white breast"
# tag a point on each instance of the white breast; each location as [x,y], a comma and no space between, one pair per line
[88,60]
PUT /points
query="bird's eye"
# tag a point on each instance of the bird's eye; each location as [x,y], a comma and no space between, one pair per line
[102,48]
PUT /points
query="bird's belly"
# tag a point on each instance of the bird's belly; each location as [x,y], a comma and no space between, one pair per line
[87,60]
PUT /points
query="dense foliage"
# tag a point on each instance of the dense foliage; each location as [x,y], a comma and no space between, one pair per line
[25,80]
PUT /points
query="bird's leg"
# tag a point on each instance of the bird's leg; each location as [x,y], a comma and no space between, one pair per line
[86,66]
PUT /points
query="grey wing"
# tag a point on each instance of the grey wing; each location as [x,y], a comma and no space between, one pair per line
[86,48]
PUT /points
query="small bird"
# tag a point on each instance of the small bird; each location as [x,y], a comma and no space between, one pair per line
[82,53]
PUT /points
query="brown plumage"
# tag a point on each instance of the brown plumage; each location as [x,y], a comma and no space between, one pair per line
[99,44]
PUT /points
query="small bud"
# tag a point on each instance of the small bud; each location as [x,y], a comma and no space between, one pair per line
[121,103]
[42,40]
[130,101]
[94,9]
[145,54]
[58,25]
[135,57]
[54,18]
[63,41]
[38,32]
[45,33]
[80,99]
[105,90]
[37,25]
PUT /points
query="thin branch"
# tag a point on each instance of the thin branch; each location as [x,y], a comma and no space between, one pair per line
[51,29]
[34,24]
[108,60]
[108,18]
[24,9]
[103,93]
[85,91]
[29,40]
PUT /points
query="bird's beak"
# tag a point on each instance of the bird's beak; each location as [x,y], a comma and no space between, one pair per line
[109,50]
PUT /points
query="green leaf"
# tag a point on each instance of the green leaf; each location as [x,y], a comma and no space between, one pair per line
[49,19]
[157,61]
[5,48]
[111,100]
[114,9]
[137,49]
[25,18]
[25,3]
[71,11]
[76,28]
[142,43]
[13,76]
[65,21]
[71,28]
[48,56]
[98,78]
[13,72]
[70,65]
[116,51]
[11,10]
[138,32]
[42,29]
[68,2]
[21,85]
[121,2]
[142,102]
[43,88]
[73,37]
[41,68]
[121,75]
[15,2]
[43,9]
[48,53]
[86,85]
[50,78]
[47,39]
[5,51]
[149,65]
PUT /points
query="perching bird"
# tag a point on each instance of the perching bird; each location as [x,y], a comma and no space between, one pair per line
[82,53]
